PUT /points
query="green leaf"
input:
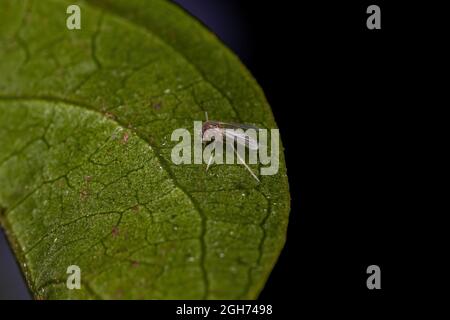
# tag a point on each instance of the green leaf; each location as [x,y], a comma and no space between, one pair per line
[86,176]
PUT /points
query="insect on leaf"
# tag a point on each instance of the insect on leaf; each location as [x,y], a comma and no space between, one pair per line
[86,177]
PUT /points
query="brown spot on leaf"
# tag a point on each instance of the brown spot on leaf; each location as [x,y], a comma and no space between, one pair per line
[157,105]
[135,263]
[115,232]
[125,138]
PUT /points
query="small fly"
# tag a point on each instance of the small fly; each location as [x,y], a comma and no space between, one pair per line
[217,128]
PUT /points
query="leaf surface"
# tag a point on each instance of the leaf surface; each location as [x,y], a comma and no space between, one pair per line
[86,176]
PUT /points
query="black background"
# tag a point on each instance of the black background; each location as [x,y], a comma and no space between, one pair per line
[330,83]
[351,105]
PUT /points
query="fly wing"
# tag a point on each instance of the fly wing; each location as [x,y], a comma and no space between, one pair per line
[242,138]
[236,126]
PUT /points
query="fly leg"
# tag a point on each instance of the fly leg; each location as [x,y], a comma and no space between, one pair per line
[243,162]
[211,157]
